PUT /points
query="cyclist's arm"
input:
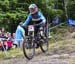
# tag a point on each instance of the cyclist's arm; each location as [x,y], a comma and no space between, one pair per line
[23,33]
[42,18]
[27,20]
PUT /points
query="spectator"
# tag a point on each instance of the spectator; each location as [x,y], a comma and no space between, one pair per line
[3,32]
[20,33]
[56,20]
[0,32]
[13,36]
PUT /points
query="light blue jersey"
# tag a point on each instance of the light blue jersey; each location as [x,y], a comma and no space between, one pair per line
[19,33]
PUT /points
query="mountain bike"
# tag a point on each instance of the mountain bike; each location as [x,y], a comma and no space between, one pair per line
[33,41]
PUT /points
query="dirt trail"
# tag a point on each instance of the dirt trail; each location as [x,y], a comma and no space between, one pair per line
[43,59]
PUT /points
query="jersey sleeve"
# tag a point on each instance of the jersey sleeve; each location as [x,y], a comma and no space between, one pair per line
[42,17]
[27,20]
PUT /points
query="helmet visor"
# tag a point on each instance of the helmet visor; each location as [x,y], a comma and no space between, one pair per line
[32,10]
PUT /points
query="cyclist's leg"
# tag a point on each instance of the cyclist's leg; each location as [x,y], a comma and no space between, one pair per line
[44,28]
[36,30]
[36,39]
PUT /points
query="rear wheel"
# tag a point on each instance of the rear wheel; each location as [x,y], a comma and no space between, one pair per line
[44,44]
[28,48]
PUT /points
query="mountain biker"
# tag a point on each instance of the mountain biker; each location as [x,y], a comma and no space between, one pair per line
[36,17]
[19,35]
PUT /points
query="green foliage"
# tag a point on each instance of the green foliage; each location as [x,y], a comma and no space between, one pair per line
[71,9]
[11,13]
[14,11]
[55,12]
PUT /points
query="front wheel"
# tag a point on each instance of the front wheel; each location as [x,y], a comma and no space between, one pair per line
[28,49]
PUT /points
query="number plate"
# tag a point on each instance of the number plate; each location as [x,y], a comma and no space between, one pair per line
[30,28]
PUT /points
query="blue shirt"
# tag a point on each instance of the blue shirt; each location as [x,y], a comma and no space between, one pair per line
[36,17]
[56,20]
[19,33]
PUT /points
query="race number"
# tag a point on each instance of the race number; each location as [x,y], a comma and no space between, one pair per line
[30,28]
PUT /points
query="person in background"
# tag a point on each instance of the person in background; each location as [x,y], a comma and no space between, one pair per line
[19,35]
[56,21]
[0,32]
[3,31]
[13,36]
[9,41]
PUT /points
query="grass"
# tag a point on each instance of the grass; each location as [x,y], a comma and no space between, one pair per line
[11,54]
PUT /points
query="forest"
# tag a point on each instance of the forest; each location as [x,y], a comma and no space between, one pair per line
[14,11]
